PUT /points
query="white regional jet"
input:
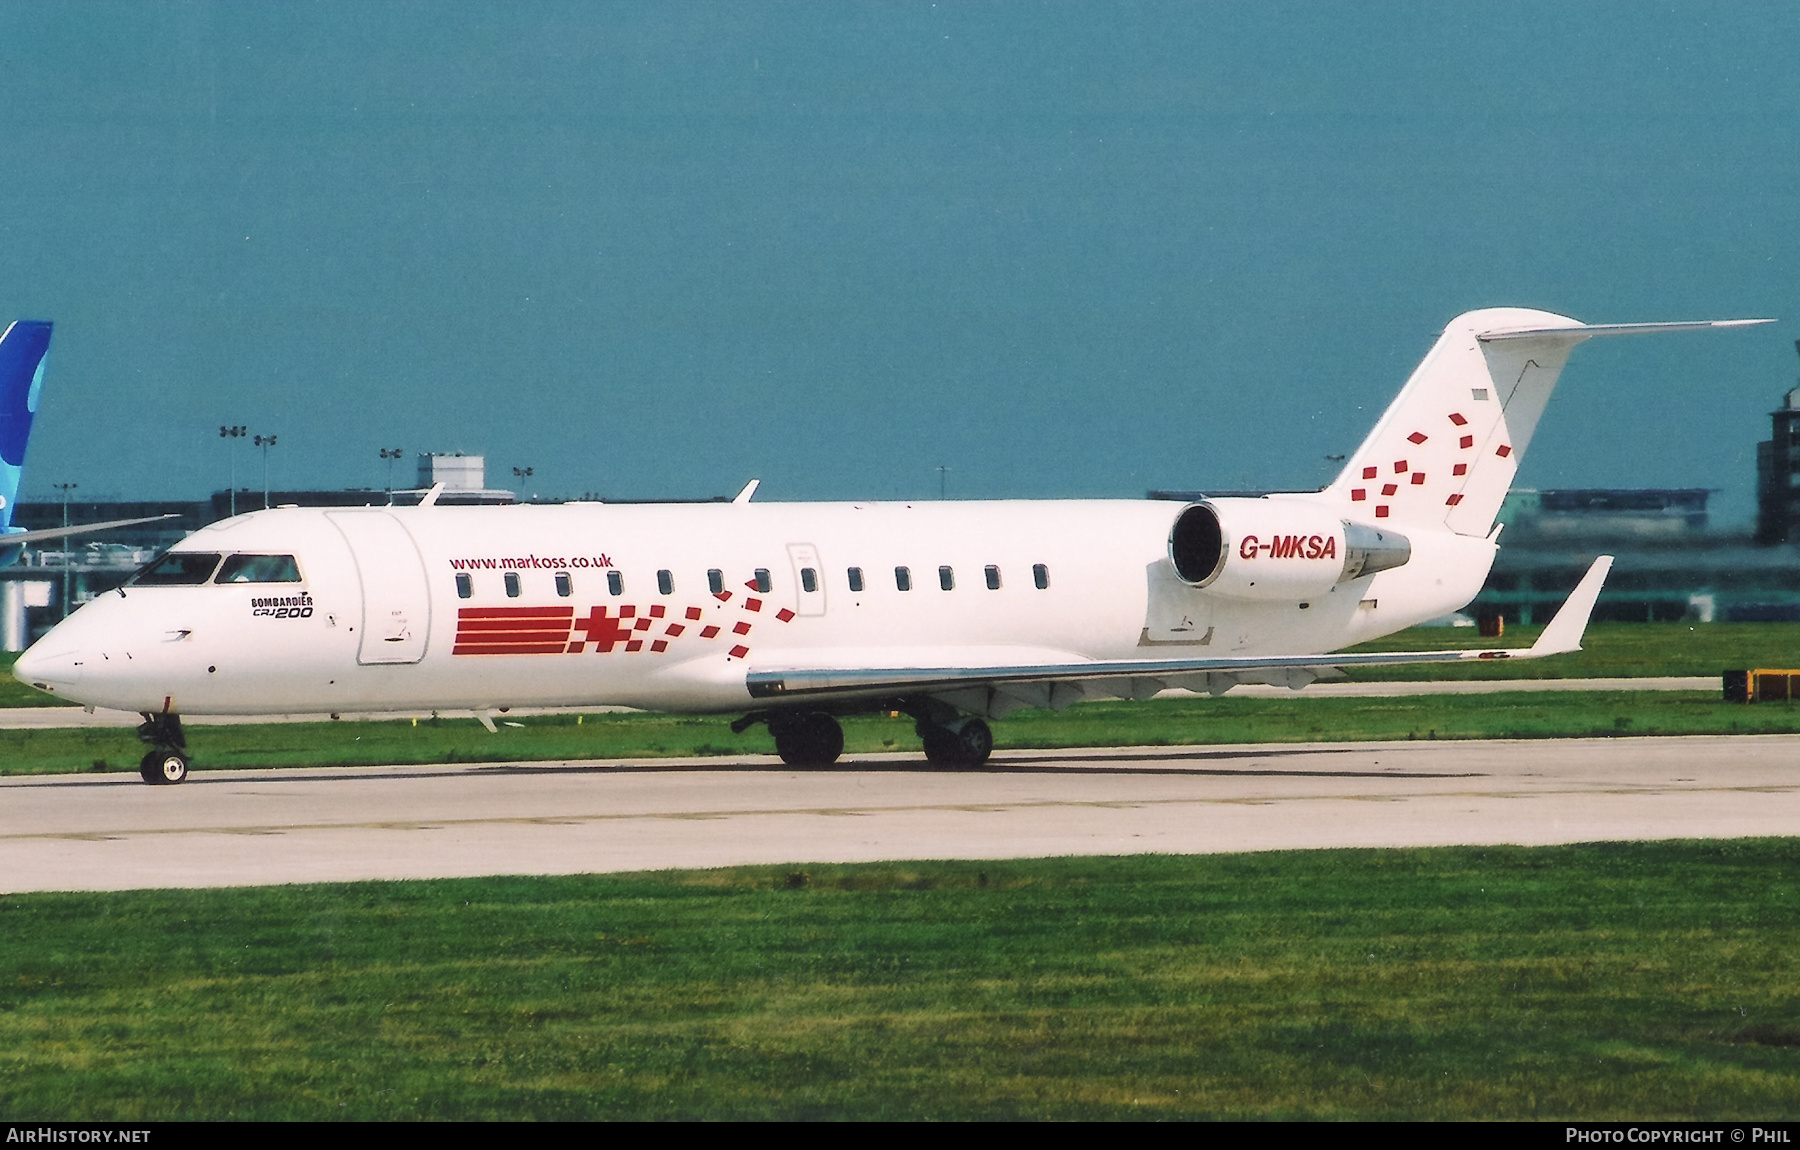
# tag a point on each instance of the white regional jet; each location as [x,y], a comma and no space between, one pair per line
[950,612]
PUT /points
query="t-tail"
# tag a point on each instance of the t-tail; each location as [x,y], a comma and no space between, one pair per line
[1445,453]
[23,350]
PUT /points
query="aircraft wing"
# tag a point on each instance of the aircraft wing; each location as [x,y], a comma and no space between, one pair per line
[13,538]
[1043,684]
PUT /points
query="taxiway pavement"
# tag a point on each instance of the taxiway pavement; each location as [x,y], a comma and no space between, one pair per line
[231,828]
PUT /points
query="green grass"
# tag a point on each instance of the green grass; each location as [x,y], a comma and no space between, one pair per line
[1640,981]
[1609,650]
[1159,722]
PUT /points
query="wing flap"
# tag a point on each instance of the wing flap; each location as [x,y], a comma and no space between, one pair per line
[1025,684]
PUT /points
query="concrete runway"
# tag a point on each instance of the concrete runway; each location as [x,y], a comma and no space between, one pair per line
[231,828]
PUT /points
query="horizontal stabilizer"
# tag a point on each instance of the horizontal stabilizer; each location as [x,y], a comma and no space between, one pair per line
[1589,330]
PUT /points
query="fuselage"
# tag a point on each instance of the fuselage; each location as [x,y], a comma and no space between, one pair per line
[667,607]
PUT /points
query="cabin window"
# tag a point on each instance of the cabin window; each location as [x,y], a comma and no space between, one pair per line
[809,580]
[855,574]
[512,584]
[715,581]
[665,583]
[1040,575]
[465,586]
[902,579]
[258,569]
[178,569]
[565,586]
[615,583]
[762,580]
[946,579]
[993,577]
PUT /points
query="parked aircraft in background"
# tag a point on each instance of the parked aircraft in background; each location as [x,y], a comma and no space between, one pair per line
[793,614]
[24,350]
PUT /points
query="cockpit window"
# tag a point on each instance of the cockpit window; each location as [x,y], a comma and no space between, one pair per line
[258,569]
[178,569]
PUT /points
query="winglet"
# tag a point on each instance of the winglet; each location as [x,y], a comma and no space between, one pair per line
[748,491]
[1565,630]
[431,497]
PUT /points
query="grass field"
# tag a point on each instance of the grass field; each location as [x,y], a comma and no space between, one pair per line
[1159,722]
[1642,981]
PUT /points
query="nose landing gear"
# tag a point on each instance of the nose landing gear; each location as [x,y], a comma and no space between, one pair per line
[168,761]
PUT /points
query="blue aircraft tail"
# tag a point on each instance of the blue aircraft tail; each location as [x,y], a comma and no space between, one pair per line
[22,352]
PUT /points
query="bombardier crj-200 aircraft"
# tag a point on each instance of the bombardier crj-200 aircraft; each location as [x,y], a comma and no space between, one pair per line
[792,614]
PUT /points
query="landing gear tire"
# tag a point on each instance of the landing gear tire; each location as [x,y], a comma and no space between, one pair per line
[807,740]
[159,767]
[967,746]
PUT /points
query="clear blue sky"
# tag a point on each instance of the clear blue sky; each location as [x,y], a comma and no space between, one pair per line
[1063,249]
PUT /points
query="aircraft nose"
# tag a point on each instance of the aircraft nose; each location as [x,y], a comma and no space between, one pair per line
[49,669]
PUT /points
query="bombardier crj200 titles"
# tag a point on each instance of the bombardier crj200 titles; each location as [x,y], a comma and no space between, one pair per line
[793,614]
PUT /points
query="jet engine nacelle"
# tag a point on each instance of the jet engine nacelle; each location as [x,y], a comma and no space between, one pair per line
[1270,549]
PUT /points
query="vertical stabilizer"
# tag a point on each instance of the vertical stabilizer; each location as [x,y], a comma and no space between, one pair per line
[1445,453]
[22,352]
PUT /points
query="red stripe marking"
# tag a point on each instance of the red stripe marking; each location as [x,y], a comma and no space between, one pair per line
[627,612]
[1357,495]
[784,614]
[739,651]
[1460,469]
[751,583]
[1456,418]
[1468,441]
[741,629]
[709,632]
[1454,500]
[540,623]
[1399,467]
[1418,478]
[1389,488]
[645,623]
[656,612]
[515,612]
[1368,473]
[660,646]
[1417,437]
[675,630]
[510,649]
[752,604]
[722,596]
[635,645]
[1381,512]
[693,612]
[1504,451]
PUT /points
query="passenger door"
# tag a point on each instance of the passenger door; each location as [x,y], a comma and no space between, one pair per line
[396,618]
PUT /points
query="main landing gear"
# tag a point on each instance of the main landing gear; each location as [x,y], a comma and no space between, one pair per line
[814,739]
[807,740]
[167,762]
[966,743]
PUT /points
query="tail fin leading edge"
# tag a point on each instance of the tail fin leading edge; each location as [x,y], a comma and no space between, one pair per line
[22,354]
[1445,452]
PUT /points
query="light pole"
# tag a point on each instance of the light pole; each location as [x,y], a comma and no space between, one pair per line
[265,442]
[233,433]
[390,454]
[523,474]
[943,482]
[65,488]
